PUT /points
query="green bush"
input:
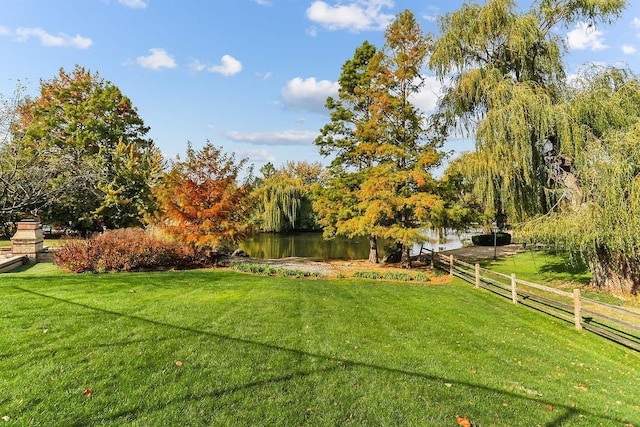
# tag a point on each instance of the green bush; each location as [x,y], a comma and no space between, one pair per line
[267,270]
[390,275]
[367,275]
[397,276]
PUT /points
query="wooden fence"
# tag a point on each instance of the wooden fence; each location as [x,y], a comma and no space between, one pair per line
[615,323]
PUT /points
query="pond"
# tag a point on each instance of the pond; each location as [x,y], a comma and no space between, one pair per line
[312,245]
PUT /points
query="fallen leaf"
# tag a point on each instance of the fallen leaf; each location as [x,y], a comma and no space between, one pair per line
[5,418]
[448,385]
[464,422]
[178,363]
[356,385]
[88,392]
[132,291]
[549,407]
[581,387]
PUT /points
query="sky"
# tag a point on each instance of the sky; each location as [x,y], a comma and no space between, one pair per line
[251,76]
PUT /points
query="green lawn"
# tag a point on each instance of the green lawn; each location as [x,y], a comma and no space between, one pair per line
[286,352]
[545,267]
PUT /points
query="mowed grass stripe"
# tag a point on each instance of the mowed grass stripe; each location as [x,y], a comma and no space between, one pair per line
[273,351]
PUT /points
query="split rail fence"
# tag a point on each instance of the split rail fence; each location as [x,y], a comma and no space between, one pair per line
[615,323]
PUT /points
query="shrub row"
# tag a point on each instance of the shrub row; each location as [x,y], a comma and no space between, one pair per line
[402,276]
[267,270]
[125,250]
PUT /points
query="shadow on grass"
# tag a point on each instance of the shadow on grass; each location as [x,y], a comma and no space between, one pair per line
[569,412]
[576,271]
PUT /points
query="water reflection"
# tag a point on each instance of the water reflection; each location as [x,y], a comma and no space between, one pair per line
[312,245]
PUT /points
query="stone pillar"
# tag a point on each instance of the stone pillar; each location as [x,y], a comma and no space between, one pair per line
[28,240]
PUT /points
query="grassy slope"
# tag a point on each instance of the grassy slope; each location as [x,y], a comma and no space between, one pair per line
[271,351]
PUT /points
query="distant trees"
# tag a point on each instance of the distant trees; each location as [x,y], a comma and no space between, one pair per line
[87,133]
[381,183]
[283,197]
[202,202]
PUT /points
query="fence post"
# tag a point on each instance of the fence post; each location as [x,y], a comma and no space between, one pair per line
[577,308]
[477,275]
[514,293]
[451,265]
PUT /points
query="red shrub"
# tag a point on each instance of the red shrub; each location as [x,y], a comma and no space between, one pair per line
[125,250]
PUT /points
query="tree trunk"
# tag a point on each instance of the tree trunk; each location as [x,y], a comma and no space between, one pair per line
[405,261]
[373,249]
[615,272]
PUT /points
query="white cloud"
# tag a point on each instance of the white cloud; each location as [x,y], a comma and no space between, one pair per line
[287,137]
[308,94]
[263,2]
[628,49]
[427,99]
[158,59]
[355,16]
[229,66]
[259,155]
[46,39]
[196,66]
[134,4]
[586,37]
[636,23]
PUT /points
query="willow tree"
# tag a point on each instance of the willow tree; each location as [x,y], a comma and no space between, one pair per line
[599,216]
[382,182]
[508,88]
[283,197]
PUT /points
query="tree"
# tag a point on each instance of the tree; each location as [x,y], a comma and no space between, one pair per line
[201,202]
[351,138]
[127,198]
[81,118]
[598,215]
[382,183]
[508,89]
[29,179]
[283,197]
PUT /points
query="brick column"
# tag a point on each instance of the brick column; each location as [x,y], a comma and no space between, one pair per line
[28,240]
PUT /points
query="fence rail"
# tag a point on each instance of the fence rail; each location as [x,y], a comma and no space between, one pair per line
[615,323]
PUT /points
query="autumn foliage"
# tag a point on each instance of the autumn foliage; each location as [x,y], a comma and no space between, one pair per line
[124,250]
[201,203]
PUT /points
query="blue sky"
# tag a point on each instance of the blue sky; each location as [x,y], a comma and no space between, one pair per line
[249,75]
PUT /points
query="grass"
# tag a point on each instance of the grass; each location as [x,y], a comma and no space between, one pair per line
[556,269]
[51,241]
[545,267]
[219,347]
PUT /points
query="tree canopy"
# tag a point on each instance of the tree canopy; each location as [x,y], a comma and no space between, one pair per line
[87,124]
[200,201]
[381,183]
[543,147]
[283,197]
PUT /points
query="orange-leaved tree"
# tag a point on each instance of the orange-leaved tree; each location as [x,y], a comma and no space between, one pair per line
[201,201]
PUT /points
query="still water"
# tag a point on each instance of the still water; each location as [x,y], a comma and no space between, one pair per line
[311,244]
